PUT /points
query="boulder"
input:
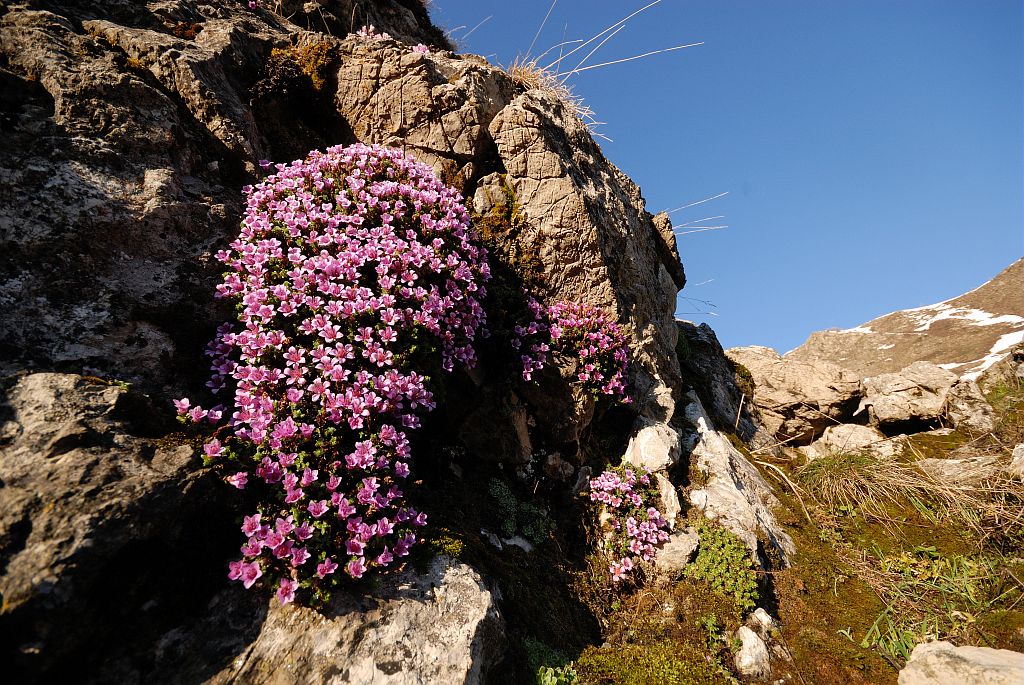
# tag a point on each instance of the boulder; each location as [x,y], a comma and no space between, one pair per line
[970,470]
[1016,466]
[850,437]
[440,627]
[914,396]
[677,553]
[654,447]
[797,400]
[752,659]
[735,493]
[967,408]
[106,533]
[941,663]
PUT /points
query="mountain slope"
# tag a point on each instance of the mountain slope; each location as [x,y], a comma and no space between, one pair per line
[965,334]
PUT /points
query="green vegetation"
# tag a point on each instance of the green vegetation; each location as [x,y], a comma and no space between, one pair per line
[666,662]
[518,517]
[550,666]
[724,562]
[313,59]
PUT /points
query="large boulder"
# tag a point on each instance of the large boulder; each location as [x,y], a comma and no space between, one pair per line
[912,397]
[797,400]
[106,532]
[851,437]
[439,627]
[967,408]
[941,663]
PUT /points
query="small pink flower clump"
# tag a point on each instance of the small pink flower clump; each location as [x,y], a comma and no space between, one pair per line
[355,271]
[581,331]
[638,528]
[421,49]
[370,33]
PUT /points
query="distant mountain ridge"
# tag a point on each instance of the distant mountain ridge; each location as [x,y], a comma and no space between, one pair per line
[965,334]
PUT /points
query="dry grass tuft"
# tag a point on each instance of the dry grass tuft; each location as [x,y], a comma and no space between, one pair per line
[531,75]
[985,500]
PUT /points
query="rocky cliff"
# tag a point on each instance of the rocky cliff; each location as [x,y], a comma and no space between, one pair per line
[130,129]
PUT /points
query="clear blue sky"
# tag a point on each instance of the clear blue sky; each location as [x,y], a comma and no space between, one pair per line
[871,149]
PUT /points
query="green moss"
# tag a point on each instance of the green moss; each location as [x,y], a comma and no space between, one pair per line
[744,379]
[683,351]
[931,446]
[518,517]
[724,562]
[500,229]
[665,663]
[314,60]
[550,666]
[442,542]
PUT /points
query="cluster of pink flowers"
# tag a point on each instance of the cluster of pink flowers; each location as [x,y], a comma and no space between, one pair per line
[353,267]
[581,331]
[638,528]
[370,33]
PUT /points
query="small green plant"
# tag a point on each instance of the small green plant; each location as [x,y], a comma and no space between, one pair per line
[724,563]
[518,517]
[550,666]
[931,596]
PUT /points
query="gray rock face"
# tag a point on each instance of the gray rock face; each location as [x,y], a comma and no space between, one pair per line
[848,437]
[940,663]
[752,659]
[968,409]
[714,378]
[797,400]
[677,553]
[1016,467]
[735,494]
[442,627]
[915,394]
[85,499]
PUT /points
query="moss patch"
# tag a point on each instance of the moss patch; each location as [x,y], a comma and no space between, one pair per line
[667,663]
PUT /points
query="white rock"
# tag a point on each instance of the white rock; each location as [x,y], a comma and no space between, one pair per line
[918,392]
[679,551]
[761,621]
[1016,467]
[941,663]
[654,447]
[968,409]
[752,659]
[736,494]
[849,437]
[669,499]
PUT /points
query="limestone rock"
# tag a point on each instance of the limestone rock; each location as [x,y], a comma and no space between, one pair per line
[715,379]
[971,470]
[86,497]
[579,210]
[1016,466]
[917,394]
[654,447]
[849,437]
[968,409]
[442,627]
[752,659]
[797,400]
[941,663]
[677,553]
[669,498]
[735,493]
